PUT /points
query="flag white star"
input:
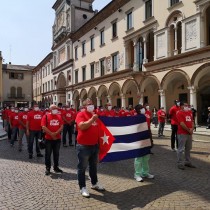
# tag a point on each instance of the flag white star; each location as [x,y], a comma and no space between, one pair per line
[105,139]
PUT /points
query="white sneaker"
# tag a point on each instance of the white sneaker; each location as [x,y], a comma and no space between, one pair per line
[98,187]
[149,176]
[85,192]
[138,179]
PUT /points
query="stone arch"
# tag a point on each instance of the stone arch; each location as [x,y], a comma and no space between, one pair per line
[147,81]
[83,94]
[112,88]
[174,13]
[92,93]
[102,93]
[61,81]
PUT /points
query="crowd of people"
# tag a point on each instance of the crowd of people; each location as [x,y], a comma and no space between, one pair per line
[54,123]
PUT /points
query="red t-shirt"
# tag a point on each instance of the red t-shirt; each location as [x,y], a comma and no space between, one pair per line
[186,118]
[89,136]
[161,115]
[172,112]
[53,122]
[109,113]
[23,116]
[14,119]
[148,116]
[34,120]
[69,115]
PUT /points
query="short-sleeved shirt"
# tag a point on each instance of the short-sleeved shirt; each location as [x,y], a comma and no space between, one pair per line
[69,115]
[186,118]
[34,120]
[53,122]
[14,119]
[161,115]
[173,114]
[89,136]
[23,116]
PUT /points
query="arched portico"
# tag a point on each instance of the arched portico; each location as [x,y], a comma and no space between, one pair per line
[92,94]
[103,95]
[83,96]
[115,93]
[75,99]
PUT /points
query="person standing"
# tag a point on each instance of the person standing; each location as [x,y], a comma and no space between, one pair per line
[14,124]
[194,113]
[161,120]
[185,131]
[33,130]
[174,124]
[87,147]
[208,119]
[141,164]
[52,125]
[68,118]
[22,117]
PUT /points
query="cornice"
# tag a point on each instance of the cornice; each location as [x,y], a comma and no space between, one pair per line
[63,66]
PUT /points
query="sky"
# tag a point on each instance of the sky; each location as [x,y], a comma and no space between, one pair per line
[26,29]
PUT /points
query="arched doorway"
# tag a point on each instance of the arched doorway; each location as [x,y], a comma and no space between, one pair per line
[61,91]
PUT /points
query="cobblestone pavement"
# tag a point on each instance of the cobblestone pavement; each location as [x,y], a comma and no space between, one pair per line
[23,184]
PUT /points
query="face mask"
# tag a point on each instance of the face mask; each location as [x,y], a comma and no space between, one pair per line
[178,103]
[90,108]
[12,110]
[16,111]
[54,111]
[26,109]
[102,110]
[67,108]
[36,108]
[186,108]
[147,107]
[109,108]
[143,111]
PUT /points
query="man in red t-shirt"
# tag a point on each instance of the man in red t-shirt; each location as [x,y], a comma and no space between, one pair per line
[52,125]
[68,117]
[14,124]
[174,124]
[161,120]
[87,147]
[185,131]
[33,125]
[22,117]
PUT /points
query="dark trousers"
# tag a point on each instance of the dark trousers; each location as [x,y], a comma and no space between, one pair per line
[174,136]
[14,134]
[161,128]
[87,155]
[34,135]
[52,146]
[9,131]
[67,129]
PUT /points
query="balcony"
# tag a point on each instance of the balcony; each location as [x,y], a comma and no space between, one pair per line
[14,96]
[60,34]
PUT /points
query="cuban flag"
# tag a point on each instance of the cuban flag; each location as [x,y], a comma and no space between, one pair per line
[123,138]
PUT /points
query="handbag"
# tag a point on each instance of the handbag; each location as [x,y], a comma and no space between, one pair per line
[42,141]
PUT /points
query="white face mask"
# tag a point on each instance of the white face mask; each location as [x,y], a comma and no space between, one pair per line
[143,111]
[68,109]
[16,111]
[186,108]
[90,108]
[147,107]
[12,110]
[102,110]
[36,108]
[26,109]
[109,108]
[54,111]
[178,103]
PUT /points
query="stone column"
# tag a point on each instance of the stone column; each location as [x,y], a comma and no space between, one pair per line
[123,102]
[175,41]
[80,102]
[202,31]
[193,96]
[145,49]
[126,61]
[135,63]
[169,42]
[162,98]
[109,99]
[98,101]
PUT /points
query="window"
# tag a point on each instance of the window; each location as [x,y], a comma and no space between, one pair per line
[83,74]
[102,67]
[114,30]
[92,43]
[42,88]
[174,2]
[148,9]
[92,71]
[51,84]
[68,52]
[102,38]
[129,20]
[19,92]
[48,85]
[114,63]
[13,92]
[83,49]
[76,53]
[13,75]
[76,76]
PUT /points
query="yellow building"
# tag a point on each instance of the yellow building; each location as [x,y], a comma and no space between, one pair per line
[133,51]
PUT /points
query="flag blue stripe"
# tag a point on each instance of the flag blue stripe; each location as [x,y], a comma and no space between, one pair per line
[132,137]
[116,156]
[123,121]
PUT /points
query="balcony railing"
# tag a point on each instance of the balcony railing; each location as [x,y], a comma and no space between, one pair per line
[14,96]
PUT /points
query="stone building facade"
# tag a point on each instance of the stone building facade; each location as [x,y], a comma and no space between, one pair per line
[131,52]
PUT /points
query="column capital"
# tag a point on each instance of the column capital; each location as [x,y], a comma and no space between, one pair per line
[192,88]
[161,91]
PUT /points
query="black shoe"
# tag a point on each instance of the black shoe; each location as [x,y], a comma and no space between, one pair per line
[71,145]
[40,155]
[64,145]
[47,172]
[20,150]
[30,156]
[189,165]
[181,167]
[58,170]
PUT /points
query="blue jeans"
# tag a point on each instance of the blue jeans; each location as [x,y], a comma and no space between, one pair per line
[34,135]
[14,134]
[87,154]
[52,146]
